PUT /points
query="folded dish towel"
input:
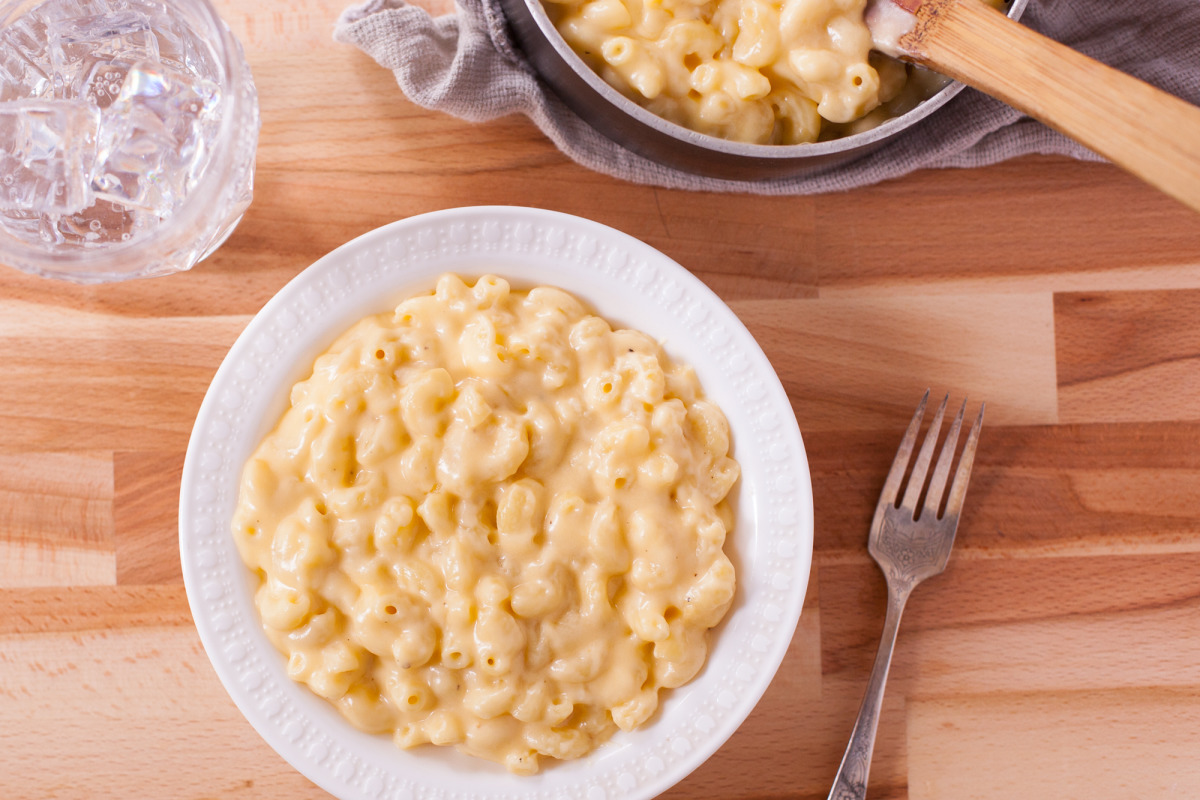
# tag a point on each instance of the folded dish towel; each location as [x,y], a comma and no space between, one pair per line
[466,64]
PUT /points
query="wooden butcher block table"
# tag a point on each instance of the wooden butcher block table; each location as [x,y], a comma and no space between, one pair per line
[1057,657]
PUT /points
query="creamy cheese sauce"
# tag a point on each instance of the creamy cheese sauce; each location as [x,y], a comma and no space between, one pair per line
[489,520]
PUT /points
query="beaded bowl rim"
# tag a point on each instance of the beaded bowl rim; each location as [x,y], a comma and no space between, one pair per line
[630,284]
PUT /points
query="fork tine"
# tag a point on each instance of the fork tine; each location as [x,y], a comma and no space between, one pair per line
[891,486]
[958,490]
[933,498]
[916,481]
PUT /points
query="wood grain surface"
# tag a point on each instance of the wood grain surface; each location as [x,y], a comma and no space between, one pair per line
[1057,657]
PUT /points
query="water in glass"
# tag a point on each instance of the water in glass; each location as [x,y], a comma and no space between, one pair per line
[110,113]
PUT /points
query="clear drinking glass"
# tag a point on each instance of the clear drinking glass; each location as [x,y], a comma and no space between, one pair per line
[128,130]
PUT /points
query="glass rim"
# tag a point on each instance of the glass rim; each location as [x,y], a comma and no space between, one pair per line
[89,265]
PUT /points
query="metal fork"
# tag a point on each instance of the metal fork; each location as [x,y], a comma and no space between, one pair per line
[908,548]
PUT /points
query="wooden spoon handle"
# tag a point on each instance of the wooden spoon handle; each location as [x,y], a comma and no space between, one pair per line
[1154,135]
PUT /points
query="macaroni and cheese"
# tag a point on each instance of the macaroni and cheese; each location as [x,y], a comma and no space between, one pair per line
[758,71]
[489,520]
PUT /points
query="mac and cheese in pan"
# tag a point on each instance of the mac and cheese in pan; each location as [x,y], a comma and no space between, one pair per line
[762,71]
[489,520]
[758,71]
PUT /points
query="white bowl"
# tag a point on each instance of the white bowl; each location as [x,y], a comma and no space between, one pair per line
[631,285]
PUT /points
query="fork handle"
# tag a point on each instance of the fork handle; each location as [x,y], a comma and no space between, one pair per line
[851,780]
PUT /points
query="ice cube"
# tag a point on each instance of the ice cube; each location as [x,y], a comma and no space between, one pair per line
[154,138]
[102,82]
[25,60]
[21,225]
[91,55]
[47,153]
[181,48]
[27,67]
[52,12]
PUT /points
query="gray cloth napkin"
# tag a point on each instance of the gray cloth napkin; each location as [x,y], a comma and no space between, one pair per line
[466,64]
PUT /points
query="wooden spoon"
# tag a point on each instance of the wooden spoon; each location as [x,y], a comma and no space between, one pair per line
[1152,134]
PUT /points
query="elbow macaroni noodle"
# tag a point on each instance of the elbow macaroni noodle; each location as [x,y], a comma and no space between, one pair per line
[758,71]
[489,520]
